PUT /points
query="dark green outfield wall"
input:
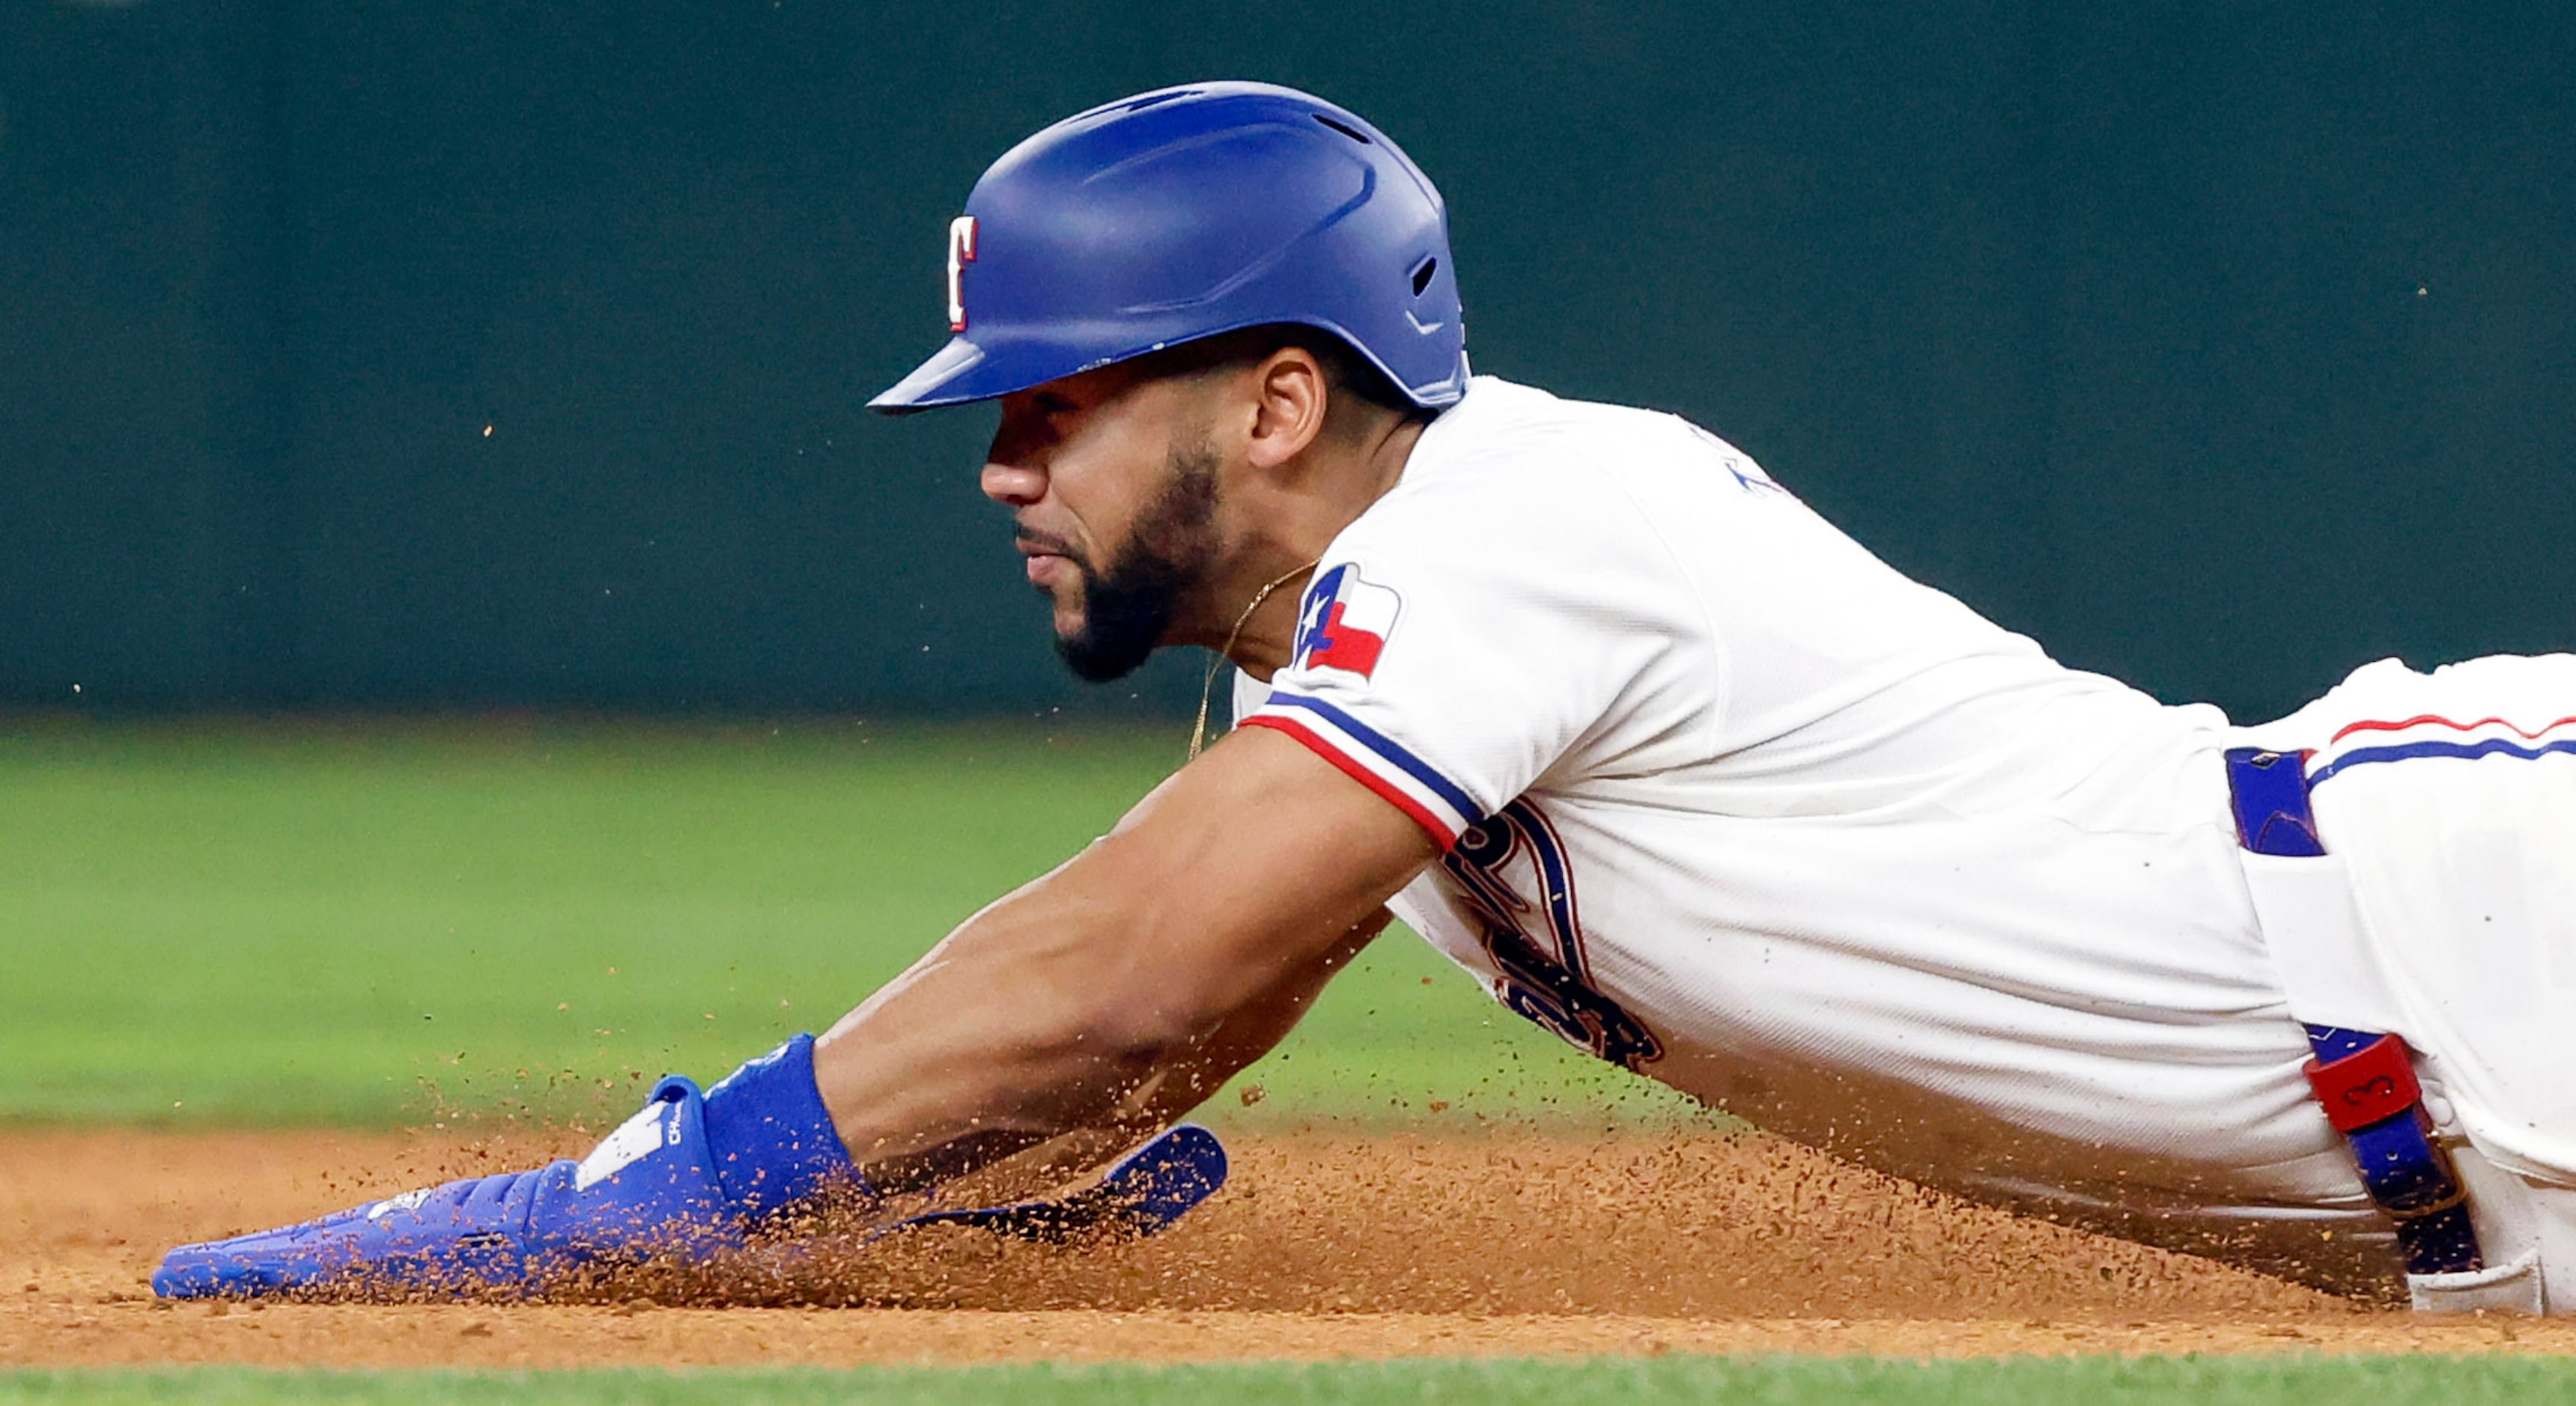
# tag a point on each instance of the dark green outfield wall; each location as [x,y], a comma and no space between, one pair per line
[2220,346]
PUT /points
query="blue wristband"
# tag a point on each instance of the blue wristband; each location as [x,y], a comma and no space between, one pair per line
[772,1139]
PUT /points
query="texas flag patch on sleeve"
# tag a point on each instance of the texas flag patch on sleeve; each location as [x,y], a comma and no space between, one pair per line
[1346,623]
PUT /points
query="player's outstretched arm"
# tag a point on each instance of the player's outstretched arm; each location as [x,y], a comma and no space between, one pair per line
[1102,1000]
[1124,987]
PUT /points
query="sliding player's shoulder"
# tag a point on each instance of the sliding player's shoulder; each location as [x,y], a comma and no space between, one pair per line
[1512,466]
[1500,479]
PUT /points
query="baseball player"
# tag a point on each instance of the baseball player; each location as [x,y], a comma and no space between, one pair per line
[1664,761]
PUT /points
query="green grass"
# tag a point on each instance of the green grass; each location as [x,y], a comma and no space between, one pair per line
[2473,1381]
[368,923]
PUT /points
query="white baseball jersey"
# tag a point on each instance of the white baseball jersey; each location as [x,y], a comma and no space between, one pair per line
[1726,799]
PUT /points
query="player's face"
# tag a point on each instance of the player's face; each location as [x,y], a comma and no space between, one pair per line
[1113,486]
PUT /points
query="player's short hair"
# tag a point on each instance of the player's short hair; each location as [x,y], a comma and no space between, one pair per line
[1349,375]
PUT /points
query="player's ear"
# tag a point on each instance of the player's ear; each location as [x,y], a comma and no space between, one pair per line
[1290,402]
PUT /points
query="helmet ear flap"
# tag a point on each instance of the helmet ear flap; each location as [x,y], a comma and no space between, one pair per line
[1187,212]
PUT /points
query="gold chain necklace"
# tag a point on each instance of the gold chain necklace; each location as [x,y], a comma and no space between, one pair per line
[1207,685]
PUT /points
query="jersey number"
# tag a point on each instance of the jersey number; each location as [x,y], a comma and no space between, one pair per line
[1537,947]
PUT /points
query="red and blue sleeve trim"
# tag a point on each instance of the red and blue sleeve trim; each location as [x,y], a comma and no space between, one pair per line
[1441,806]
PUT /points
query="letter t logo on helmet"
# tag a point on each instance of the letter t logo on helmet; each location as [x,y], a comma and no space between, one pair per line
[1188,212]
[961,252]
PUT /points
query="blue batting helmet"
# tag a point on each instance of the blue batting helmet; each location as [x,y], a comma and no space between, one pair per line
[1187,212]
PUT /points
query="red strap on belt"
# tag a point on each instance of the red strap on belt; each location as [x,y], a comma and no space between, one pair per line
[2374,1082]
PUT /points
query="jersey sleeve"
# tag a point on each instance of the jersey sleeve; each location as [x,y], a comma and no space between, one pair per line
[1454,648]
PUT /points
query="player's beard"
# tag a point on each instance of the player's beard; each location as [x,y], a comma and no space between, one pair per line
[1129,605]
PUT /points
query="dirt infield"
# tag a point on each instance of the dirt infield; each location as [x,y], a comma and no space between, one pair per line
[1323,1246]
